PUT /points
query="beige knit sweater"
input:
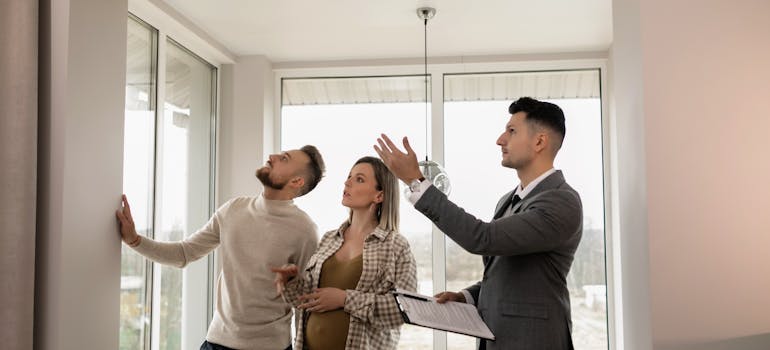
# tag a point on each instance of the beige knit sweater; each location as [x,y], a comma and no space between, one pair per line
[253,234]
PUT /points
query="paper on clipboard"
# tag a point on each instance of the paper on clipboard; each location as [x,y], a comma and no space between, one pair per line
[451,316]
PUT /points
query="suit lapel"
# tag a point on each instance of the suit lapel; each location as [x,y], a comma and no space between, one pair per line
[502,206]
[551,181]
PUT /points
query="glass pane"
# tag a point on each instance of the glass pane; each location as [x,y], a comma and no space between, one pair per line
[345,132]
[139,140]
[471,130]
[184,173]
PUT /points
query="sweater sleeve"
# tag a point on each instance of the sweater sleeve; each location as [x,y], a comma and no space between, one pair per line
[193,247]
[307,248]
[380,310]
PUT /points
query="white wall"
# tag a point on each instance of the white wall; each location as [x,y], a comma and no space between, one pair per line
[629,178]
[82,91]
[690,84]
[82,55]
[245,125]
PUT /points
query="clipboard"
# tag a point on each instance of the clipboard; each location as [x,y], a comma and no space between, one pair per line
[424,311]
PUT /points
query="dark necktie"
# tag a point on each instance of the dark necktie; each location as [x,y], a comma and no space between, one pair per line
[510,202]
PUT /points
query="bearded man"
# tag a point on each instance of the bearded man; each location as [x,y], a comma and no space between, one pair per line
[253,234]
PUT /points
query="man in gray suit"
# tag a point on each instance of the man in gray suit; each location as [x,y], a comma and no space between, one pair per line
[528,247]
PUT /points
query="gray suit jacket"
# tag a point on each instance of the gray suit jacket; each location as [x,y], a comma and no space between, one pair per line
[523,295]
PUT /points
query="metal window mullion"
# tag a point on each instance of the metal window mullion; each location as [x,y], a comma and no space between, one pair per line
[154,338]
[611,259]
[212,188]
[153,101]
[437,154]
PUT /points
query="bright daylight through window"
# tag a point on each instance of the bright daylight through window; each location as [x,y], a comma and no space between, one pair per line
[344,117]
[168,178]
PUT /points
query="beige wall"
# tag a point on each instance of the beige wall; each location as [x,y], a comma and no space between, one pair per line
[18,175]
[707,112]
[690,95]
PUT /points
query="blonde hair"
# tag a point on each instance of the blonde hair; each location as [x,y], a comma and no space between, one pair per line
[387,210]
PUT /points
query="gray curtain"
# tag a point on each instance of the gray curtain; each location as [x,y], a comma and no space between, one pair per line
[18,169]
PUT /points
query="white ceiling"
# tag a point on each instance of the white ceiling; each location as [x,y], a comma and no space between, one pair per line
[313,30]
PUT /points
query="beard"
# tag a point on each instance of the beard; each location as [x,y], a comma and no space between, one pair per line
[263,174]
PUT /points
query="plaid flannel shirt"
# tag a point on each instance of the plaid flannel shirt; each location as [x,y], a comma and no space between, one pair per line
[374,316]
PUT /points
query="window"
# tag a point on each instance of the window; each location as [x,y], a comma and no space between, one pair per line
[168,177]
[138,179]
[344,124]
[476,107]
[344,116]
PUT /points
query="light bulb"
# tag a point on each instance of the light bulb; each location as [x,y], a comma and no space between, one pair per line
[436,174]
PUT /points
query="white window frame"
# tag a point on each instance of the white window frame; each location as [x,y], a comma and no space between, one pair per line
[172,25]
[497,64]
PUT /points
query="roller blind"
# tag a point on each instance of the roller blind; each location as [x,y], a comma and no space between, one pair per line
[457,87]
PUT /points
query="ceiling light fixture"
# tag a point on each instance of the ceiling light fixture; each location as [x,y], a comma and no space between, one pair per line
[430,169]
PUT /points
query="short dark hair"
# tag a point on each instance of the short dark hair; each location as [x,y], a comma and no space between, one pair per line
[314,171]
[541,113]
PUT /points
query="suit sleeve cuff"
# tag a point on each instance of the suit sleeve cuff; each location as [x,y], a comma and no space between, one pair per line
[416,195]
[468,297]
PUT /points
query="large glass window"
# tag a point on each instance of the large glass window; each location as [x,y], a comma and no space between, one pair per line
[168,178]
[185,163]
[138,172]
[343,118]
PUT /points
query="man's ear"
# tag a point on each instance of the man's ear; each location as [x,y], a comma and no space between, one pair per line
[541,141]
[297,182]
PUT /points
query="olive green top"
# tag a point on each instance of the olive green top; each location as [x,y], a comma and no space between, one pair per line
[329,330]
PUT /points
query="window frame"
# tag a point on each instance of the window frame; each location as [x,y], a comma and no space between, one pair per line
[482,65]
[168,29]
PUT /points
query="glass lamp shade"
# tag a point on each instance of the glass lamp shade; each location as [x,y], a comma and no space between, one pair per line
[436,174]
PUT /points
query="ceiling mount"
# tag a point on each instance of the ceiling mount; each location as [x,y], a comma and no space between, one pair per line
[426,13]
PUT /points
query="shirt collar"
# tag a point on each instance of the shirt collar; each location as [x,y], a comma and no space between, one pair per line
[378,232]
[523,192]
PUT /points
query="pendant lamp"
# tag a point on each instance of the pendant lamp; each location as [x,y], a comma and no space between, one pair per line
[432,171]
